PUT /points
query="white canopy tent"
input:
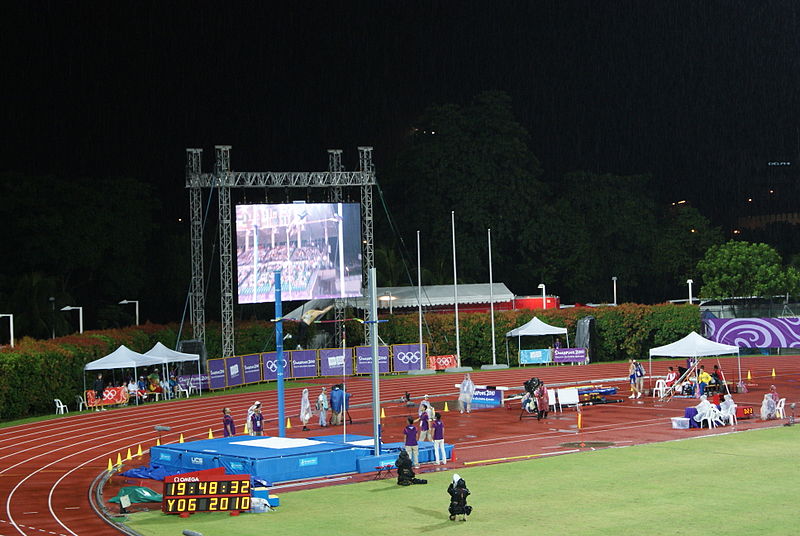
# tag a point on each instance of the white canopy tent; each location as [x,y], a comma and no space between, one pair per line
[122,357]
[167,355]
[535,327]
[695,345]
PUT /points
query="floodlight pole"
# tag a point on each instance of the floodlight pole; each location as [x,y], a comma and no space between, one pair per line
[136,303]
[376,391]
[80,315]
[279,351]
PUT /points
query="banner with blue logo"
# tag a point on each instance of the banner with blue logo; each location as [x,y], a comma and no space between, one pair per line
[530,357]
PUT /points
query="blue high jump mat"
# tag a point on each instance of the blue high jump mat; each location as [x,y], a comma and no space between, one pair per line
[281,459]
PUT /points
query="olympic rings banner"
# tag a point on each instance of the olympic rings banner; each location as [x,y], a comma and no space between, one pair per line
[252,368]
[333,359]
[441,362]
[216,371]
[407,357]
[269,366]
[233,367]
[364,359]
[304,363]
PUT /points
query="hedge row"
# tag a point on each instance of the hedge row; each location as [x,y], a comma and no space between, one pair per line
[37,371]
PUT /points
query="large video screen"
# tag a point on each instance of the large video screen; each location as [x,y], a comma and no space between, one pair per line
[316,247]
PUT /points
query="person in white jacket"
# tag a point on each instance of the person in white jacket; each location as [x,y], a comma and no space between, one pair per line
[465,394]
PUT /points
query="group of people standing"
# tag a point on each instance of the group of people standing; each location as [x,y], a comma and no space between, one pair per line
[338,404]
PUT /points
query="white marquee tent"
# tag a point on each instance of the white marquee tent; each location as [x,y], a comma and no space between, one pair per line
[694,345]
[167,355]
[533,328]
[122,357]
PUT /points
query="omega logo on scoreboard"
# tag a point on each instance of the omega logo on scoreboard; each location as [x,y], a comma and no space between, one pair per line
[205,491]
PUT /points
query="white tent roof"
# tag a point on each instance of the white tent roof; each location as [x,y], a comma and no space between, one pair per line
[122,357]
[166,355]
[432,296]
[536,327]
[694,345]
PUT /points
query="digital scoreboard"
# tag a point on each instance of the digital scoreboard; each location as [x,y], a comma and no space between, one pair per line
[196,492]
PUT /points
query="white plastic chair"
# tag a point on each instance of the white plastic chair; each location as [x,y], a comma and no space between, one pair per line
[568,397]
[61,408]
[181,391]
[552,399]
[729,418]
[780,412]
[661,388]
[713,417]
[81,402]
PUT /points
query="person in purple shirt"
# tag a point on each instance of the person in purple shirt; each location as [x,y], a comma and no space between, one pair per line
[257,422]
[228,428]
[424,427]
[412,447]
[438,440]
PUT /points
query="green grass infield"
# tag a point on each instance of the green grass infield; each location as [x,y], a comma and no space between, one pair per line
[743,483]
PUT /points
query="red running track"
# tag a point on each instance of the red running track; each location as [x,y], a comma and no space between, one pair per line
[46,468]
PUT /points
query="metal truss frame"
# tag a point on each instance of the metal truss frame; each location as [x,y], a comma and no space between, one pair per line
[224,179]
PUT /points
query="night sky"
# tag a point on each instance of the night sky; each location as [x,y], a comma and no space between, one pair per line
[700,94]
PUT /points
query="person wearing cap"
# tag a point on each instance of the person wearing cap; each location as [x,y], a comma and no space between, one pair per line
[426,405]
[248,425]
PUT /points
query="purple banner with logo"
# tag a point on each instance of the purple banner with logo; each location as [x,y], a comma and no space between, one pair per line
[333,359]
[406,357]
[304,363]
[193,380]
[364,359]
[269,366]
[233,368]
[755,332]
[569,355]
[252,368]
[216,370]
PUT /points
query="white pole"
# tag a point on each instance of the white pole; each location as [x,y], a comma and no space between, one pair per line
[455,286]
[491,297]
[689,282]
[614,279]
[419,301]
[80,319]
[137,311]
[376,393]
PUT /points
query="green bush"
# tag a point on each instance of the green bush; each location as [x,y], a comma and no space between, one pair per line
[35,372]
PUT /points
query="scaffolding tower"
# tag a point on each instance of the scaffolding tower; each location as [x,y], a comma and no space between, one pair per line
[224,179]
